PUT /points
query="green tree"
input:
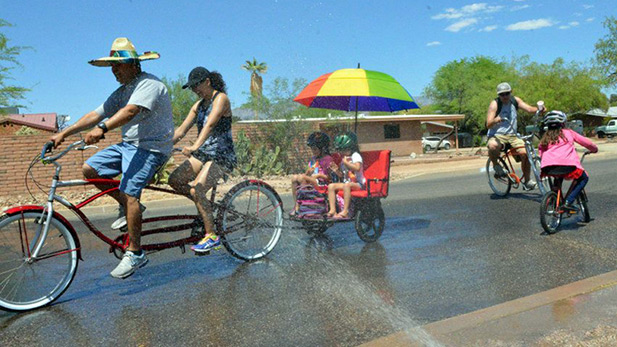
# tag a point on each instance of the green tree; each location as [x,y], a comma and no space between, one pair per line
[181,99]
[9,94]
[569,87]
[278,102]
[466,86]
[256,88]
[255,69]
[606,52]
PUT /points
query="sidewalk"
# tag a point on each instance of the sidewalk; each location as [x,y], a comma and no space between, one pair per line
[579,313]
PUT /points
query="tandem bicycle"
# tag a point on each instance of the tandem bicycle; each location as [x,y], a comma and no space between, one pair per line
[40,248]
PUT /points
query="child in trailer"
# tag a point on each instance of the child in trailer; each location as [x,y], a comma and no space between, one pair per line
[317,171]
[350,172]
[559,157]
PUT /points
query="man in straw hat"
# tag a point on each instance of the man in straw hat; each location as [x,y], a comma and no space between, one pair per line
[141,106]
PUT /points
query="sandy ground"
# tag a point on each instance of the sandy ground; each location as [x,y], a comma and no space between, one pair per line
[401,168]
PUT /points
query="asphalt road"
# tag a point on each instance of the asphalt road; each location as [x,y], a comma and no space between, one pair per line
[449,248]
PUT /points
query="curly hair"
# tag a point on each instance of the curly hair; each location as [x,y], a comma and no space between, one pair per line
[217,82]
[552,136]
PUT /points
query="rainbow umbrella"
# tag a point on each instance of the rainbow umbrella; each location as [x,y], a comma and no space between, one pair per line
[356,90]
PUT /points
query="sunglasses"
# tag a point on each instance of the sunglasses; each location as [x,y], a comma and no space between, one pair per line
[504,94]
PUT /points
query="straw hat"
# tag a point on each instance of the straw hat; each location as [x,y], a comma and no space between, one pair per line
[123,51]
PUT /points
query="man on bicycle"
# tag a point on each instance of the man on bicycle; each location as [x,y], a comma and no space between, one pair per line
[501,121]
[142,107]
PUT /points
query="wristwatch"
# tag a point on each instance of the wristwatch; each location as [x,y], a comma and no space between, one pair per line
[103,127]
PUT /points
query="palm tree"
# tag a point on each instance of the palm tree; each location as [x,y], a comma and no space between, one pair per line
[256,81]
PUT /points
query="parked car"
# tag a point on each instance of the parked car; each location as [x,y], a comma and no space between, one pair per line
[430,142]
[609,130]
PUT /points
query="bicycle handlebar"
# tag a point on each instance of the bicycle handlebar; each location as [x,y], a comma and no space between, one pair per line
[47,148]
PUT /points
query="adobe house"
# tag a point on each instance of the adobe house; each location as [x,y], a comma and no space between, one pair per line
[44,122]
[402,134]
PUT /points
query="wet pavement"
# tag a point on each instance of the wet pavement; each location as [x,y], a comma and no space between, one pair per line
[449,248]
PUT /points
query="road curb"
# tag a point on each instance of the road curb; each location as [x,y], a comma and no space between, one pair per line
[441,329]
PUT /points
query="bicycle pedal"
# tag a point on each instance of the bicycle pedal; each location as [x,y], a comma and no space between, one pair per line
[202,254]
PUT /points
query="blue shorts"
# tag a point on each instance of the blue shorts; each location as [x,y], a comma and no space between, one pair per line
[136,165]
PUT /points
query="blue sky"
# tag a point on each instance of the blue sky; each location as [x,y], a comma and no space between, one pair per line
[409,40]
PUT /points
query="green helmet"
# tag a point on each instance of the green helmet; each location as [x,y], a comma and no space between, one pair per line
[346,140]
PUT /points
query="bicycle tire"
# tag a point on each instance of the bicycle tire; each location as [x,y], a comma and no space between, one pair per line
[500,186]
[550,218]
[370,222]
[584,208]
[25,283]
[249,226]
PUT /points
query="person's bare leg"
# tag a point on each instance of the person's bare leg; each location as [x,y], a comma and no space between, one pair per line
[133,221]
[348,187]
[206,179]
[294,190]
[494,149]
[332,189]
[187,172]
[525,165]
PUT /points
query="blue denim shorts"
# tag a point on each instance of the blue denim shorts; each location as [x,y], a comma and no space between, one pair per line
[136,165]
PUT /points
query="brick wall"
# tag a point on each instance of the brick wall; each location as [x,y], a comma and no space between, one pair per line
[17,152]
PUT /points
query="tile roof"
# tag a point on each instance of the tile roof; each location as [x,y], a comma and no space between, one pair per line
[45,121]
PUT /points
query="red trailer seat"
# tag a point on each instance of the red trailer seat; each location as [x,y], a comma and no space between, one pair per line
[376,173]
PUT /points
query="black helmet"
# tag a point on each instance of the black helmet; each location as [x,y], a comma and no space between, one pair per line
[319,140]
[346,140]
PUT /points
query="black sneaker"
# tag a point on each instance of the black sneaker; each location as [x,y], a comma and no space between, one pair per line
[569,208]
[499,171]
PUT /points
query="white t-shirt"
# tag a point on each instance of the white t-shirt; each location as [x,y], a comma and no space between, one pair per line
[348,176]
[152,128]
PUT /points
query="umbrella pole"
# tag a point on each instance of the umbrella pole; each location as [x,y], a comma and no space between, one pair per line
[355,124]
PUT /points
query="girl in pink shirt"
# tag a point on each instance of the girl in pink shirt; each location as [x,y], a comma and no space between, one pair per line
[559,157]
[317,170]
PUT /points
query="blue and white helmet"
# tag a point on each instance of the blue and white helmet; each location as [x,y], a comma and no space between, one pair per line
[555,117]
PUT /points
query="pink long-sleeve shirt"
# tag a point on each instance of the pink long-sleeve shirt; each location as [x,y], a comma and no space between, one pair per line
[563,152]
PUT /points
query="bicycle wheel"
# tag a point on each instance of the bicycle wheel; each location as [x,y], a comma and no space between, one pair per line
[584,209]
[250,220]
[501,186]
[550,218]
[27,283]
[370,222]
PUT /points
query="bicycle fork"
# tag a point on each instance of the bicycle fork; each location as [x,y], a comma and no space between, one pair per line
[532,157]
[41,235]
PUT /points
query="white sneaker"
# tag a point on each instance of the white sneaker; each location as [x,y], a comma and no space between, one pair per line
[530,185]
[129,264]
[121,221]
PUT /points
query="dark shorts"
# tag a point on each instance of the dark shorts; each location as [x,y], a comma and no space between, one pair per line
[563,171]
[224,163]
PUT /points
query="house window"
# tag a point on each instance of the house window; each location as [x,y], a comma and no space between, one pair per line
[392,131]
